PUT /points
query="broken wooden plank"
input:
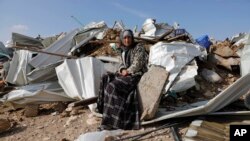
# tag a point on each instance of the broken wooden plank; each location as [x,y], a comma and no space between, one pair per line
[165,34]
[41,51]
[83,102]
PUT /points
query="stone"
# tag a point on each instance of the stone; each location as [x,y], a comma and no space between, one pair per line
[60,107]
[211,76]
[4,125]
[208,94]
[31,110]
[150,91]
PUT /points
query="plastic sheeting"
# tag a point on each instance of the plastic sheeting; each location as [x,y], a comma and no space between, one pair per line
[81,78]
[174,56]
[229,95]
[98,136]
[36,94]
[19,68]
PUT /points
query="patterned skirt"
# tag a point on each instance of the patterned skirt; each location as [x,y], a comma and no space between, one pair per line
[118,102]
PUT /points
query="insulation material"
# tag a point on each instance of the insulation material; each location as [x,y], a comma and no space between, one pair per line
[173,56]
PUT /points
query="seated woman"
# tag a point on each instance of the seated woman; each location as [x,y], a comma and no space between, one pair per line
[117,100]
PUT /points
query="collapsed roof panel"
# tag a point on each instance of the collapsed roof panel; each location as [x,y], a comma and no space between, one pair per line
[45,73]
[73,39]
[36,94]
[25,40]
[61,46]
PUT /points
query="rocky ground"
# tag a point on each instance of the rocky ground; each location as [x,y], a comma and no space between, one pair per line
[50,125]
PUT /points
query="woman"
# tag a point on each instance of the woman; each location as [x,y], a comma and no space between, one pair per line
[117,100]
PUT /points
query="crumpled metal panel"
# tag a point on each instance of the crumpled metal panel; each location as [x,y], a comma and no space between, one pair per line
[46,73]
[23,39]
[229,95]
[80,78]
[36,94]
[19,68]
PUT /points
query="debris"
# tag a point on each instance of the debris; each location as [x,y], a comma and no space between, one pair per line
[31,110]
[97,48]
[247,99]
[232,93]
[83,102]
[4,125]
[92,120]
[99,136]
[227,63]
[70,120]
[208,94]
[175,133]
[210,76]
[204,41]
[60,107]
[202,130]
[173,57]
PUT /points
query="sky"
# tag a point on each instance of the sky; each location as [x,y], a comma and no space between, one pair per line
[218,19]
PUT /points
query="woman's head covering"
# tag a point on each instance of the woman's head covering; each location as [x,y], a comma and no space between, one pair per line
[125,33]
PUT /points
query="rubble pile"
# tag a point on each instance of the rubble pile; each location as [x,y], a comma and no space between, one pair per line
[59,76]
[105,49]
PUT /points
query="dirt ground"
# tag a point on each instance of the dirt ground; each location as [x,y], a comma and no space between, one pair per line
[52,126]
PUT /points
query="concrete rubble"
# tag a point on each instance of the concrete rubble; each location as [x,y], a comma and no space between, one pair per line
[186,77]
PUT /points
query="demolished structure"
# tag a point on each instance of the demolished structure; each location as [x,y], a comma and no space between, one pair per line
[68,67]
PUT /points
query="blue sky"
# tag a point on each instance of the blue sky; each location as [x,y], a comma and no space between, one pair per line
[217,18]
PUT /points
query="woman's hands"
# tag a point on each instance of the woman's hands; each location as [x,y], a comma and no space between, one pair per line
[124,72]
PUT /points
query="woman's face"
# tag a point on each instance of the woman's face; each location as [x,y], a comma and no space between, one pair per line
[127,41]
